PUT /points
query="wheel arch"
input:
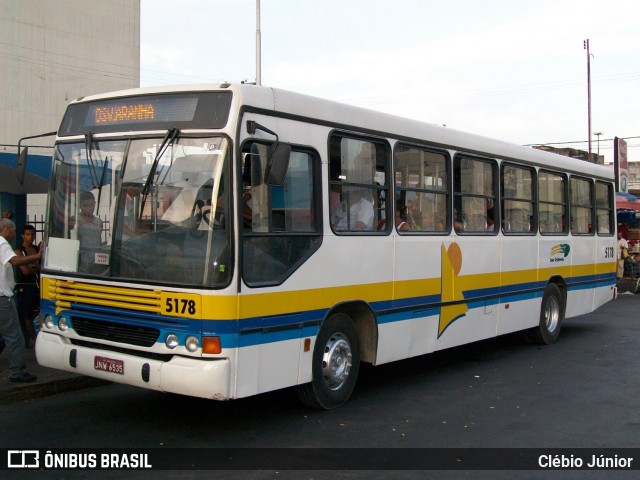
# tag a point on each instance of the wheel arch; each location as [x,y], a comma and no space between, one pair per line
[364,320]
[562,286]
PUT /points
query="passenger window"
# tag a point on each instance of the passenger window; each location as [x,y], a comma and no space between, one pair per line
[474,183]
[358,184]
[552,203]
[581,206]
[605,208]
[518,202]
[280,223]
[422,196]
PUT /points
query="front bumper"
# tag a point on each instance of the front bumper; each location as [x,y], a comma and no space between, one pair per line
[183,375]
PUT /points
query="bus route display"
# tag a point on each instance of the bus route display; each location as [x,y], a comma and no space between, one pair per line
[148,112]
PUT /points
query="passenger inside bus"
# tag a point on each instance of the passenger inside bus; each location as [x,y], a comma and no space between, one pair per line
[401,219]
[490,220]
[458,223]
[360,211]
[89,231]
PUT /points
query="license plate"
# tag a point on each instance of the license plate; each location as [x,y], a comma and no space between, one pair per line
[108,365]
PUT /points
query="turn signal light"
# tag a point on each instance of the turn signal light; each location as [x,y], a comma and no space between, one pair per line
[211,345]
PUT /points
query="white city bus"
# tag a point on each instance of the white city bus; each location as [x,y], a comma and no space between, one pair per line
[223,241]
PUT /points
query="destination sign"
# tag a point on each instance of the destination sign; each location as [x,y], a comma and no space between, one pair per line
[149,112]
[163,109]
[124,113]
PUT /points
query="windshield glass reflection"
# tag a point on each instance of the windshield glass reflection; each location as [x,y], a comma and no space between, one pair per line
[142,210]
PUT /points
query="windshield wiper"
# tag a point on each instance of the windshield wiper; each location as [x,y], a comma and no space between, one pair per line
[93,166]
[169,138]
[88,145]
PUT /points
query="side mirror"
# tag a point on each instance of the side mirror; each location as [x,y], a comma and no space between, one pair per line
[278,164]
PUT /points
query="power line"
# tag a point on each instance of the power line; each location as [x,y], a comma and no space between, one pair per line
[576,141]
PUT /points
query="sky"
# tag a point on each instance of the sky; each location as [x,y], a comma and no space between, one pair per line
[506,69]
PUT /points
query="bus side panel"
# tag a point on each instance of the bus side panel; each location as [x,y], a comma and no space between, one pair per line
[267,366]
[581,283]
[473,277]
[519,300]
[554,260]
[405,338]
[413,328]
[605,258]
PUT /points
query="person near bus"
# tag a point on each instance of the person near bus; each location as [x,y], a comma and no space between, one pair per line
[623,248]
[27,289]
[9,321]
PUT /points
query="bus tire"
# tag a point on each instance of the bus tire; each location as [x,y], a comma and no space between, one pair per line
[551,316]
[335,364]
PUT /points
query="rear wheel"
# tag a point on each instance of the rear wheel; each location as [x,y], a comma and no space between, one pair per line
[551,316]
[335,364]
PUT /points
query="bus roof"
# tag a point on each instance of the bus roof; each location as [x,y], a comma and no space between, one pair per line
[370,121]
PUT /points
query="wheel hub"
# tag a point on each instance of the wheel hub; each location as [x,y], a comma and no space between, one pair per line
[552,314]
[336,361]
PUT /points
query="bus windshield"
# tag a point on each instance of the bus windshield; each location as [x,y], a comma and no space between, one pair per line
[152,209]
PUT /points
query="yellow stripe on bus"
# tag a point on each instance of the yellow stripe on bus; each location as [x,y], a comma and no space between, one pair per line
[232,307]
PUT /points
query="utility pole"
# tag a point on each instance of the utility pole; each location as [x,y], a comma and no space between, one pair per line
[258,46]
[597,134]
[586,46]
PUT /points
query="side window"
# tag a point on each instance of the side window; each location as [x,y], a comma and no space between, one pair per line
[605,213]
[518,202]
[581,206]
[474,189]
[422,196]
[552,203]
[358,184]
[280,223]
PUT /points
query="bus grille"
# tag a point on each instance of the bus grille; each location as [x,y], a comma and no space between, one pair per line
[66,292]
[116,332]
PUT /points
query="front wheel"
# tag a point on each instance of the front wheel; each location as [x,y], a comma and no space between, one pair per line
[335,364]
[551,315]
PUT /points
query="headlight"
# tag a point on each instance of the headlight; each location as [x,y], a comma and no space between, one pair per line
[63,325]
[48,321]
[192,344]
[171,341]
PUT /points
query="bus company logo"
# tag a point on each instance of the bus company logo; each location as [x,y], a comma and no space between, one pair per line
[23,459]
[559,252]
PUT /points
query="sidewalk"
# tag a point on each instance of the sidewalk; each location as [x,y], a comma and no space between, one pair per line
[49,382]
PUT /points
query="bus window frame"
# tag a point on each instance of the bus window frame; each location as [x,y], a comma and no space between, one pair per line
[592,193]
[495,168]
[533,230]
[447,192]
[567,208]
[612,209]
[383,191]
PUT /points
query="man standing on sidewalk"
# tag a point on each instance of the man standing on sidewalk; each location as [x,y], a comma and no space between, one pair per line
[9,322]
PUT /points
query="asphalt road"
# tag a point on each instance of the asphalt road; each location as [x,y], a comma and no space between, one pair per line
[582,392]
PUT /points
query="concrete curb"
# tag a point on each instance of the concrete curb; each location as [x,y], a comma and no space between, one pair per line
[32,391]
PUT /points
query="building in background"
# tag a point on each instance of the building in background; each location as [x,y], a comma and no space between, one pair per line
[634,178]
[52,52]
[573,153]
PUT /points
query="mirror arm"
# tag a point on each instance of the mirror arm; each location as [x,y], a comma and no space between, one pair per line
[21,163]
